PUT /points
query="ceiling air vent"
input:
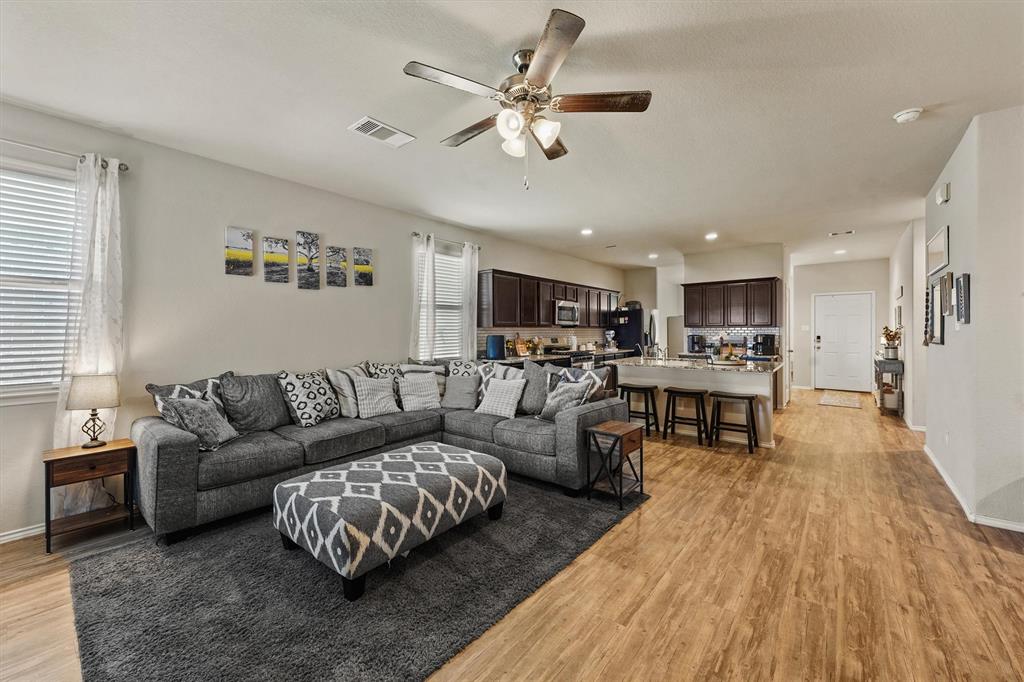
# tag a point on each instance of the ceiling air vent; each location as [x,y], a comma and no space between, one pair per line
[372,128]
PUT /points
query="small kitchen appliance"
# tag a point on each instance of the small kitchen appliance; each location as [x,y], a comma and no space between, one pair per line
[764,345]
[567,313]
[495,347]
[696,343]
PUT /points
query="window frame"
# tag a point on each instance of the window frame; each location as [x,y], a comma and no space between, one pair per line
[451,251]
[29,394]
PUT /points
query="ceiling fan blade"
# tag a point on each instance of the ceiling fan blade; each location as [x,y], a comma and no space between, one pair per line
[450,79]
[467,134]
[637,100]
[556,151]
[560,33]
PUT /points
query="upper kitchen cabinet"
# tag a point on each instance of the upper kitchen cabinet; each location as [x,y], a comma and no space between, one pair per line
[734,303]
[508,299]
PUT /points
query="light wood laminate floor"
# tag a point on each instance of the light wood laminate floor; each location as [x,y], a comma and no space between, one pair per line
[838,555]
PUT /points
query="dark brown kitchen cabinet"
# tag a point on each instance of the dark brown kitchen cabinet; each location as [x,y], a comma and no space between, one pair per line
[498,299]
[528,309]
[572,293]
[545,303]
[760,304]
[559,292]
[714,305]
[733,303]
[736,305]
[593,308]
[693,305]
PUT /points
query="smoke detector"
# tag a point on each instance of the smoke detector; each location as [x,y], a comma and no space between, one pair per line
[907,115]
[844,233]
[382,132]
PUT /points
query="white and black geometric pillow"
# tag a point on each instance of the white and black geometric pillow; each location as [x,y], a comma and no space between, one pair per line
[310,397]
[462,368]
[379,370]
[494,370]
[210,388]
[594,378]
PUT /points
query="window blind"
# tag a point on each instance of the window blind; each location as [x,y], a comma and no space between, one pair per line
[448,298]
[37,268]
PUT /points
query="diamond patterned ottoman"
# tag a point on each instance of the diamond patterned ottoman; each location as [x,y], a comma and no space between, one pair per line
[356,516]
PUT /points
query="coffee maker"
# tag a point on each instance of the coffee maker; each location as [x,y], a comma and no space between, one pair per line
[696,343]
[764,344]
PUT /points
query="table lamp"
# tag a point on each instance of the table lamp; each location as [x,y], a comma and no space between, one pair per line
[93,392]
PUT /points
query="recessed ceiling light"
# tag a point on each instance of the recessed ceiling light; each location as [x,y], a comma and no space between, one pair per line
[586,232]
[839,252]
[711,236]
[652,256]
[907,115]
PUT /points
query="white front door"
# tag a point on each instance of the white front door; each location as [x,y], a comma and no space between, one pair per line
[843,326]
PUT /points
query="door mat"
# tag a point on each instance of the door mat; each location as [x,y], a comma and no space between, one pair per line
[840,399]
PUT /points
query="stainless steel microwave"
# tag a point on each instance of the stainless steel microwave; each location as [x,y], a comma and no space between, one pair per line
[567,313]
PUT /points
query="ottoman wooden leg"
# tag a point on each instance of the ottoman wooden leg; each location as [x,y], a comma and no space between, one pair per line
[353,588]
[287,543]
[494,513]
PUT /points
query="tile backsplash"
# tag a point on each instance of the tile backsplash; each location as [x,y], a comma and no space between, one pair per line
[582,334]
[715,332]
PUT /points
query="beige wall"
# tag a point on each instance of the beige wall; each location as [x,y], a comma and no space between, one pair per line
[185,319]
[745,262]
[863,275]
[641,284]
[975,404]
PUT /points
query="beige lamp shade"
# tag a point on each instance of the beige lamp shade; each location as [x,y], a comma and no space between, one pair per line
[93,391]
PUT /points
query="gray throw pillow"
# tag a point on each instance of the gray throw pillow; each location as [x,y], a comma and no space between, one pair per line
[502,397]
[254,402]
[310,397]
[376,396]
[536,392]
[438,371]
[495,370]
[460,392]
[341,381]
[193,389]
[565,395]
[418,392]
[595,378]
[202,418]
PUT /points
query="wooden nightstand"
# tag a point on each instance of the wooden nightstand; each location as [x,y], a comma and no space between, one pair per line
[77,464]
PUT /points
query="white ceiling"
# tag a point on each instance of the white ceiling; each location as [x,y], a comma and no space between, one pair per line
[769,123]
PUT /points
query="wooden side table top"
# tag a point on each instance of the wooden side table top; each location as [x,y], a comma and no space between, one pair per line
[79,451]
[615,428]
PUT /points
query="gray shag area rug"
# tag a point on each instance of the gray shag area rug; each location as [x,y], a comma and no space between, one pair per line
[231,603]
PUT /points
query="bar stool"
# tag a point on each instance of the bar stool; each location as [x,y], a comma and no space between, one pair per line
[672,394]
[650,412]
[717,425]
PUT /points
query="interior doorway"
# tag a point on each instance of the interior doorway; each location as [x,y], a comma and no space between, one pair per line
[842,336]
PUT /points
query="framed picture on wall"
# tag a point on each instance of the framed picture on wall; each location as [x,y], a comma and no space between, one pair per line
[963,299]
[936,320]
[937,251]
[948,304]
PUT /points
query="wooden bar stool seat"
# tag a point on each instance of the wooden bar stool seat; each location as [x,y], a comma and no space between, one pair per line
[700,420]
[717,425]
[650,412]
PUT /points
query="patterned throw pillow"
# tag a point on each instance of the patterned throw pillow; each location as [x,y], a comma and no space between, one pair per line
[565,395]
[201,417]
[502,398]
[419,392]
[379,370]
[595,378]
[310,397]
[462,368]
[341,381]
[194,389]
[492,370]
[375,396]
[438,371]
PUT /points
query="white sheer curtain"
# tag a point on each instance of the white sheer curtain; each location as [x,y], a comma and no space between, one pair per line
[470,266]
[421,345]
[94,338]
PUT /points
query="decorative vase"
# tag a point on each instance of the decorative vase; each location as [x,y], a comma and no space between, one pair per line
[891,353]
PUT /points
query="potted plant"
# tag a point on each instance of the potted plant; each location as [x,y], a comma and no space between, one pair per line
[892,341]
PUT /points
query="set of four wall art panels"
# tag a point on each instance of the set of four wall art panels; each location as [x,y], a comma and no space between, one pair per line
[240,256]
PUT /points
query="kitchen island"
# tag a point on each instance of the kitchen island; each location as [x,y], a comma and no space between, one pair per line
[756,378]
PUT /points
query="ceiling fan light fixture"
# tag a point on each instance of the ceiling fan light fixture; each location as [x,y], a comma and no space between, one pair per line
[510,124]
[546,131]
[515,146]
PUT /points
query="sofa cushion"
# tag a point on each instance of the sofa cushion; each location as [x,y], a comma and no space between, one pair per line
[527,434]
[538,383]
[472,424]
[565,395]
[248,457]
[401,426]
[334,438]
[255,402]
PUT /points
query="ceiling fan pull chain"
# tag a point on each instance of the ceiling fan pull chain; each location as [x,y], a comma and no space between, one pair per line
[526,169]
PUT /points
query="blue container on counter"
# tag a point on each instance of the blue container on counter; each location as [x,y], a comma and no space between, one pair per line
[495,347]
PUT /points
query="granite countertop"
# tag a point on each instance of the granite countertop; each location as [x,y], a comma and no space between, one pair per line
[749,367]
[511,359]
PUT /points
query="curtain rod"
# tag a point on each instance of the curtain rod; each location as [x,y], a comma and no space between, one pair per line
[449,241]
[122,167]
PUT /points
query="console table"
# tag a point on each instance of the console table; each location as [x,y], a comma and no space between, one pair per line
[893,368]
[77,464]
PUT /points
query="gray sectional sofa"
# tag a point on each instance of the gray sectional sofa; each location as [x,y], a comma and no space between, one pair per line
[181,487]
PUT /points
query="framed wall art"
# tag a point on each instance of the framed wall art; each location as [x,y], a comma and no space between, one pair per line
[307,259]
[937,251]
[275,259]
[337,266]
[963,299]
[238,251]
[936,320]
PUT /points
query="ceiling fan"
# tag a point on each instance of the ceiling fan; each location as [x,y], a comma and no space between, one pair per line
[526,93]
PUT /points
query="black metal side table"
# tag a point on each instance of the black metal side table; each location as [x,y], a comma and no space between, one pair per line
[623,439]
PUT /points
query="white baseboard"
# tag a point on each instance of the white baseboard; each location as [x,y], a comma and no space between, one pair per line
[914,428]
[968,510]
[11,535]
[806,388]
